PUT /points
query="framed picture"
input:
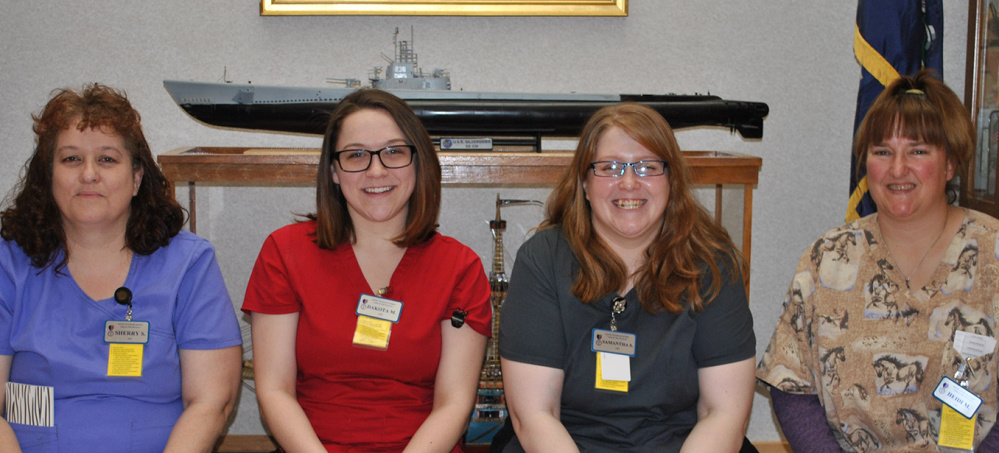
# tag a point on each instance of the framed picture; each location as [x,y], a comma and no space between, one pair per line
[978,187]
[445,7]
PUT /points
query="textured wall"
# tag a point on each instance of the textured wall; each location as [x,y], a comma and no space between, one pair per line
[790,54]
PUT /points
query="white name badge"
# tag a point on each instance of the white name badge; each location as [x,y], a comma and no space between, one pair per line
[613,342]
[133,332]
[960,399]
[379,308]
[972,345]
[615,367]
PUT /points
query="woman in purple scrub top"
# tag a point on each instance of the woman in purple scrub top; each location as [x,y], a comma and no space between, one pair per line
[116,330]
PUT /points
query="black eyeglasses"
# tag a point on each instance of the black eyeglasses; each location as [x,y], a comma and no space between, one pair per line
[358,160]
[642,168]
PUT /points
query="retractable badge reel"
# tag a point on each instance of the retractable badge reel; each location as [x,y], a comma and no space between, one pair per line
[123,296]
[458,318]
[126,339]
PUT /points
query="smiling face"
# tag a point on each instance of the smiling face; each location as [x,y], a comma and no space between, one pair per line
[378,194]
[626,211]
[908,177]
[92,179]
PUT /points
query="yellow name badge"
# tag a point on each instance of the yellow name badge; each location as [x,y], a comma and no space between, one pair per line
[607,384]
[955,430]
[125,359]
[375,316]
[126,340]
[372,333]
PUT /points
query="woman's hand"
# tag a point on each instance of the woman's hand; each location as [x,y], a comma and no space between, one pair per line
[533,397]
[723,407]
[209,383]
[455,388]
[275,368]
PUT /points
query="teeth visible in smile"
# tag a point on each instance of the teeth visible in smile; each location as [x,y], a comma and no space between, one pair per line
[629,204]
[378,189]
[901,186]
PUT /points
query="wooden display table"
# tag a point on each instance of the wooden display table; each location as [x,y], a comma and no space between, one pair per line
[297,166]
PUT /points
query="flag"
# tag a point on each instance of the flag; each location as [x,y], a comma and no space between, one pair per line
[891,37]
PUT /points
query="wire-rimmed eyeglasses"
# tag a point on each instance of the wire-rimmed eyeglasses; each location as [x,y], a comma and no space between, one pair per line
[358,160]
[642,168]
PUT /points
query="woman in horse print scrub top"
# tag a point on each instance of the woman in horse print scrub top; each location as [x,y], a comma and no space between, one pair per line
[874,324]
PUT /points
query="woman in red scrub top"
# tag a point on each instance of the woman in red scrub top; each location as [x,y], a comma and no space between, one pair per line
[369,327]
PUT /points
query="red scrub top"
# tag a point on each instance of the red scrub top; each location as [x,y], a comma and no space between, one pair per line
[361,399]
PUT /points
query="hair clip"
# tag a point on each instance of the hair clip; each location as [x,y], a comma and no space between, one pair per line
[915,91]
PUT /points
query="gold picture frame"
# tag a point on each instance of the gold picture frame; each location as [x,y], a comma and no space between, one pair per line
[444,7]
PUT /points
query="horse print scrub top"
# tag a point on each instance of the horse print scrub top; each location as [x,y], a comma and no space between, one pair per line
[872,349]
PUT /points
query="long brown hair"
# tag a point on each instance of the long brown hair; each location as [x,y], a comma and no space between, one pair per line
[333,223]
[33,219]
[923,108]
[690,242]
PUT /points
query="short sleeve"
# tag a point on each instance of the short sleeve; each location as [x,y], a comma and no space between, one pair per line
[725,325]
[269,289]
[471,293]
[205,318]
[531,327]
[785,363]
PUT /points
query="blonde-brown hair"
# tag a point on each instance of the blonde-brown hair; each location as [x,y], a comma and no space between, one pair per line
[923,108]
[689,243]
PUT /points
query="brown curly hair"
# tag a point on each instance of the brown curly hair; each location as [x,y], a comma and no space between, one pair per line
[689,244]
[32,218]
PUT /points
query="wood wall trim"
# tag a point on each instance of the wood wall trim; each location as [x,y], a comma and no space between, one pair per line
[773,447]
[245,443]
